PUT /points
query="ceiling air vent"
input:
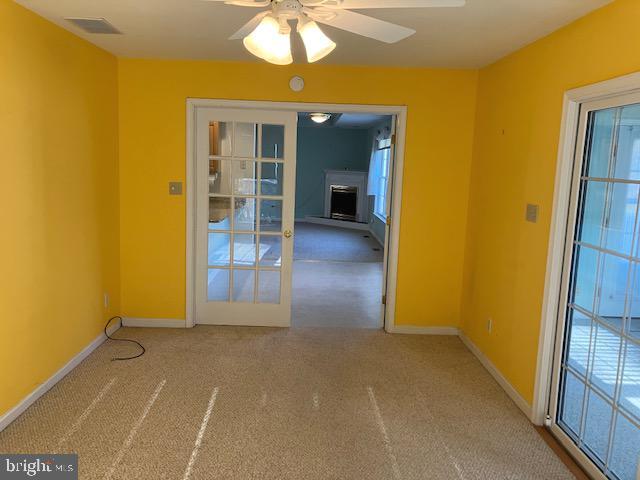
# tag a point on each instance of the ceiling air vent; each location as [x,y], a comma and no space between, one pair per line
[94,25]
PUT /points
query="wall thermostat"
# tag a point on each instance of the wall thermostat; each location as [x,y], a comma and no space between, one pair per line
[296,84]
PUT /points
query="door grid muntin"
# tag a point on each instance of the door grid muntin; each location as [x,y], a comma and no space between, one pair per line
[259,158]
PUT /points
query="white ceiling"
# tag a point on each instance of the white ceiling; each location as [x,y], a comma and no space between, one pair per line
[473,36]
[343,120]
[359,120]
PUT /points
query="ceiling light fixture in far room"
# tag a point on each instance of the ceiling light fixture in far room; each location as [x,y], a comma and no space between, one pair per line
[271,41]
[320,117]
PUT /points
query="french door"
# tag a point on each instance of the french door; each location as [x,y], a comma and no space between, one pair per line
[245,191]
[595,403]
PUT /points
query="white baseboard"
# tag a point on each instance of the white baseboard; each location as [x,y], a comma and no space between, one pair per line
[499,377]
[520,402]
[374,235]
[334,223]
[16,411]
[153,322]
[413,330]
[43,388]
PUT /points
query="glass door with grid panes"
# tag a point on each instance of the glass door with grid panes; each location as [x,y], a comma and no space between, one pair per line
[245,188]
[595,406]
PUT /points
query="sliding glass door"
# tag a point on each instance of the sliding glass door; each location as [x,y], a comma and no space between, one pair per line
[596,404]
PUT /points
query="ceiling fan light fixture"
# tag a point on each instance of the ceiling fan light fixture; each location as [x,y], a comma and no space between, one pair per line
[270,41]
[320,117]
[316,43]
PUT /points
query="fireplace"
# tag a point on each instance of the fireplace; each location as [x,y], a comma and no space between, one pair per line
[345,196]
[344,202]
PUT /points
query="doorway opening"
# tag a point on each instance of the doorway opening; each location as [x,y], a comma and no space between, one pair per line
[247,205]
[342,204]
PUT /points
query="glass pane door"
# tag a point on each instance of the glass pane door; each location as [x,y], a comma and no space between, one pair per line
[598,404]
[247,201]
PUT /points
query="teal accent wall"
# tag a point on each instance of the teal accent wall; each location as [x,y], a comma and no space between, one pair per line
[326,148]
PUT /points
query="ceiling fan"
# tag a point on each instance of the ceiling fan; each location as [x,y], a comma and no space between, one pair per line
[268,34]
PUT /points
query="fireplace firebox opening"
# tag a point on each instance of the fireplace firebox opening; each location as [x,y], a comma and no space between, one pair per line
[344,202]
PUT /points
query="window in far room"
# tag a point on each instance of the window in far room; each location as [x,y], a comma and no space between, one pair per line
[382,157]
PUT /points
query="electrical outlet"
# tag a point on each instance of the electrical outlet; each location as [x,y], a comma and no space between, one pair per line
[106,300]
[175,188]
[490,324]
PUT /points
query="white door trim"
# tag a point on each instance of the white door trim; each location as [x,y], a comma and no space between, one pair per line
[561,226]
[401,120]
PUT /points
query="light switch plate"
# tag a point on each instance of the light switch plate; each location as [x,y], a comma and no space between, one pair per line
[175,188]
[532,213]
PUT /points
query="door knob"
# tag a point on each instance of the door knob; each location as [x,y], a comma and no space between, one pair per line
[288,234]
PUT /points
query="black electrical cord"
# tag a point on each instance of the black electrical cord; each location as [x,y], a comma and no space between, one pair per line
[122,340]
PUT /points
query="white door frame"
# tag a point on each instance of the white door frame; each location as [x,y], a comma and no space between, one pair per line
[552,310]
[400,113]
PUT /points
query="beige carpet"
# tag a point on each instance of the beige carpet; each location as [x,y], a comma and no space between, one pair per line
[248,403]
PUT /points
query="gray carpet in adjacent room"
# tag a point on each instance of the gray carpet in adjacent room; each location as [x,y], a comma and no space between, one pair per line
[323,242]
[285,404]
[337,278]
[337,294]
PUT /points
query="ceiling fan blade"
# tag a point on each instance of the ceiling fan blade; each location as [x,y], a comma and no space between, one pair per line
[248,27]
[395,4]
[248,3]
[361,24]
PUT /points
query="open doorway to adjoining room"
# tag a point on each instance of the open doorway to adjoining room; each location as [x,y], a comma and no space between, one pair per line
[293,215]
[343,180]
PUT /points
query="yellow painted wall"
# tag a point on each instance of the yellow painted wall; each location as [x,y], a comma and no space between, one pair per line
[153,97]
[59,241]
[514,163]
[77,222]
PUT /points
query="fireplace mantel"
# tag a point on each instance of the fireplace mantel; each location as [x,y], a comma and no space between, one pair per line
[347,178]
